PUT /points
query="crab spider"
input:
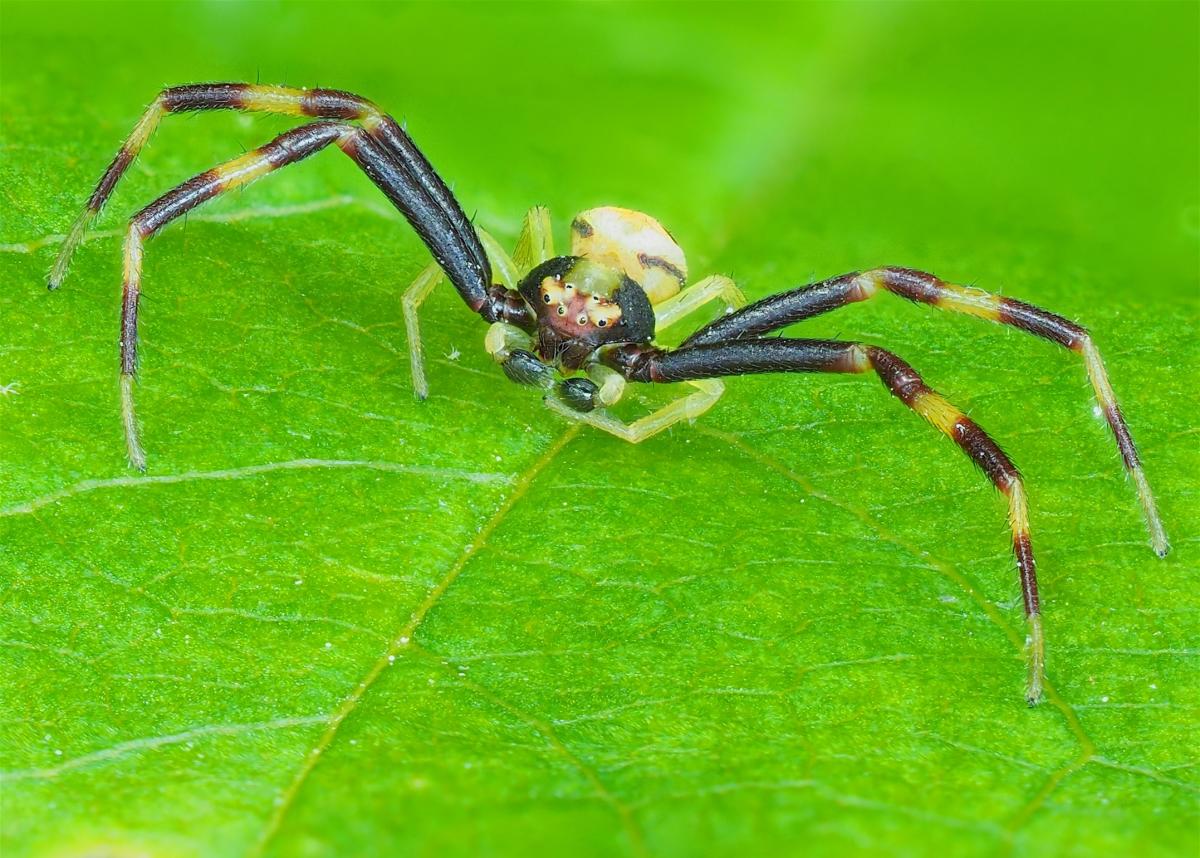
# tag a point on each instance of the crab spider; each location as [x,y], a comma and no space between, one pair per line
[582,326]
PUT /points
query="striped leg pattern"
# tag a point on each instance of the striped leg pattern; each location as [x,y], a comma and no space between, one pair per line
[780,310]
[449,234]
[713,360]
[287,148]
[377,144]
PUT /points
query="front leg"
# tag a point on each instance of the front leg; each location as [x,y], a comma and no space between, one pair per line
[441,221]
[744,357]
[534,246]
[786,308]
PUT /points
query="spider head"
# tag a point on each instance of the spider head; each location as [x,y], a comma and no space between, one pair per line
[582,305]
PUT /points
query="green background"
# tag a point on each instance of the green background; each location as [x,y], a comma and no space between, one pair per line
[793,627]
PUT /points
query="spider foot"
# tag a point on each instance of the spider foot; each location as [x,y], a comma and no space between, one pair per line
[1035,654]
[133,444]
[73,239]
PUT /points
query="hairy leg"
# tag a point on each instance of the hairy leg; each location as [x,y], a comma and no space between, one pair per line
[778,311]
[534,246]
[288,148]
[648,364]
[445,226]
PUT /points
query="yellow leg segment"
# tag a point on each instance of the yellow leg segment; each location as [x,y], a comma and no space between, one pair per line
[129,151]
[503,339]
[131,289]
[693,297]
[411,302]
[503,267]
[535,244]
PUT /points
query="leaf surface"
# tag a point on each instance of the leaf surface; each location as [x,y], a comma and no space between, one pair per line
[330,619]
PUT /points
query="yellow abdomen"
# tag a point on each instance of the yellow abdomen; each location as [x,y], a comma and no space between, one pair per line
[633,243]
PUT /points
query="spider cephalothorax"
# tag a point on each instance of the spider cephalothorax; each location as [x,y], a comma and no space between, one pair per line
[582,305]
[597,311]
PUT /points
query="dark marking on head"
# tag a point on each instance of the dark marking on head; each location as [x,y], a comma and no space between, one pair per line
[582,228]
[531,287]
[568,326]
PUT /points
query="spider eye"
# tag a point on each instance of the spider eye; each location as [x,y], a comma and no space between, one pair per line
[562,311]
[546,298]
[581,319]
[603,323]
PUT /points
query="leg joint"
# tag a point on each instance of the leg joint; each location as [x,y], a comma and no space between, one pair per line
[901,379]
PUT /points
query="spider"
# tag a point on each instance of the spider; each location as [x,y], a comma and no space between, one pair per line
[582,326]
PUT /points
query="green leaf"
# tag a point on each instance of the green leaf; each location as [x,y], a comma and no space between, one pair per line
[331,619]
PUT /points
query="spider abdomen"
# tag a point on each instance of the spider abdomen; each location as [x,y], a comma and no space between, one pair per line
[633,243]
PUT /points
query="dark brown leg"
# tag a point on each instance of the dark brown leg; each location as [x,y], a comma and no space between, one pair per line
[493,304]
[639,363]
[468,269]
[778,311]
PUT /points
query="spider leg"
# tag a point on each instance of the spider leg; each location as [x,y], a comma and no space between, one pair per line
[689,363]
[694,297]
[607,388]
[287,148]
[410,303]
[534,246]
[778,311]
[453,242]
